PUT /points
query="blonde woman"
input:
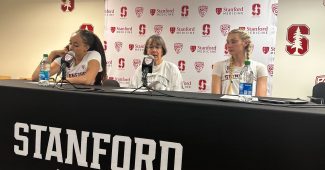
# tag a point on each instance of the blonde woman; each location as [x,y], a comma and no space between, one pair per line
[225,74]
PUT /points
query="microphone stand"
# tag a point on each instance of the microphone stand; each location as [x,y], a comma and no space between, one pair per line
[64,79]
[145,85]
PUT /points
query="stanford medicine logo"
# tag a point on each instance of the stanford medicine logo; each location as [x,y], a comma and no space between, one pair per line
[178,47]
[184,10]
[224,28]
[158,29]
[182,30]
[162,12]
[88,27]
[136,47]
[142,29]
[202,85]
[230,11]
[193,48]
[181,65]
[256,9]
[118,46]
[139,11]
[266,50]
[131,47]
[124,12]
[67,5]
[203,10]
[299,43]
[121,63]
[206,29]
[121,30]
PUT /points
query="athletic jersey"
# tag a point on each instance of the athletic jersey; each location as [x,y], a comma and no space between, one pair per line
[165,76]
[222,70]
[81,68]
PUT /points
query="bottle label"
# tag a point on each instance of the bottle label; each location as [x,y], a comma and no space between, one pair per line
[44,75]
[245,88]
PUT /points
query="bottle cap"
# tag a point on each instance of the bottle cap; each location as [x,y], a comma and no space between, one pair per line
[45,55]
[247,63]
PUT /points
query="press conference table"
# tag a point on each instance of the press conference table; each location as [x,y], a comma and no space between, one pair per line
[210,133]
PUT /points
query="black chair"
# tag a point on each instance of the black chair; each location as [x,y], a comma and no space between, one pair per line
[318,93]
[111,83]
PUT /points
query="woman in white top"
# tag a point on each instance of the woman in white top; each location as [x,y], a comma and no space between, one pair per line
[165,75]
[89,64]
[225,74]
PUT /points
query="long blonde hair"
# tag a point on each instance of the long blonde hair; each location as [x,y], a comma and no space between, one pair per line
[245,37]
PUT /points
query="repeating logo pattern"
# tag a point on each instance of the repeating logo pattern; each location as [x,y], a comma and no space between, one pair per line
[191,33]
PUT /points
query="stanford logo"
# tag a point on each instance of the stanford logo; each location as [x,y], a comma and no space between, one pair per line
[193,48]
[139,11]
[224,28]
[88,27]
[265,50]
[152,12]
[203,10]
[105,45]
[131,47]
[218,11]
[256,9]
[121,63]
[206,29]
[118,46]
[142,29]
[158,29]
[67,5]
[320,79]
[136,63]
[113,29]
[202,85]
[184,10]
[199,66]
[270,69]
[275,8]
[181,65]
[299,44]
[178,47]
[124,12]
[172,30]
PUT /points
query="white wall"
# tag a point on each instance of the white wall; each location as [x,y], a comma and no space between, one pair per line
[294,75]
[30,28]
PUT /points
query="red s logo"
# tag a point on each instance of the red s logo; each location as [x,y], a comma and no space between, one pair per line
[206,29]
[142,29]
[184,11]
[202,84]
[299,44]
[256,9]
[121,63]
[181,65]
[124,12]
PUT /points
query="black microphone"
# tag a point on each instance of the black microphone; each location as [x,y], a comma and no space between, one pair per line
[66,63]
[147,64]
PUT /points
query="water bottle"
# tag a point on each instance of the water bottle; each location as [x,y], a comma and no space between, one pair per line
[44,74]
[246,81]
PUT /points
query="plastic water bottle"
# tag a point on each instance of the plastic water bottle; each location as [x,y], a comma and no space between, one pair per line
[246,80]
[44,74]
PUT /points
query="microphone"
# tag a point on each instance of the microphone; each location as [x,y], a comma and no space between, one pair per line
[147,64]
[66,63]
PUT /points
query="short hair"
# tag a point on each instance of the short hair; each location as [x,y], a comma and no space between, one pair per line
[155,39]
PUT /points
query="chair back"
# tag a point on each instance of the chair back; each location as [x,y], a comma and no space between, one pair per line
[319,93]
[111,83]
